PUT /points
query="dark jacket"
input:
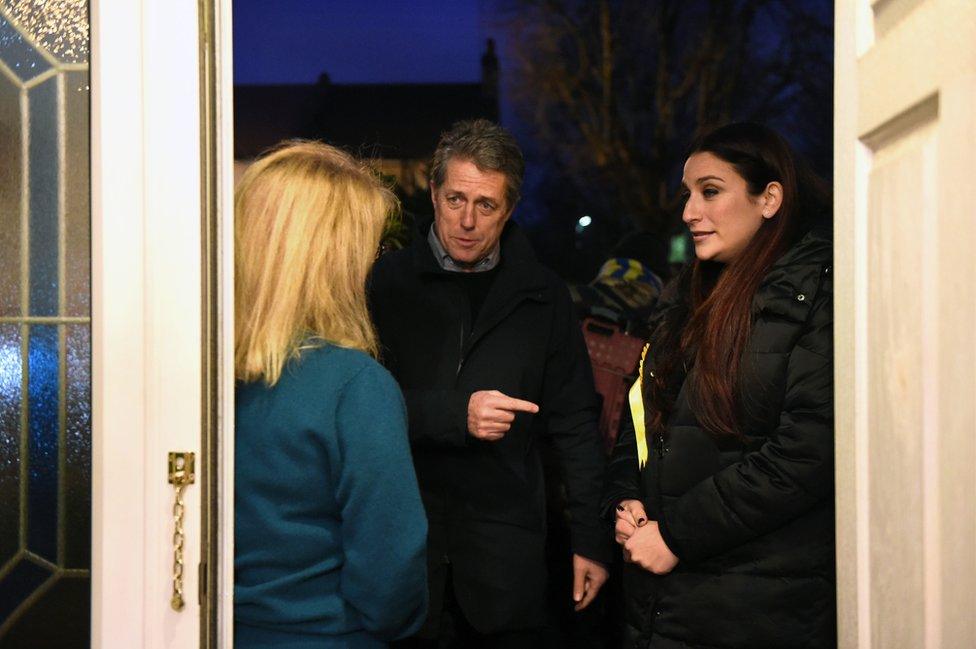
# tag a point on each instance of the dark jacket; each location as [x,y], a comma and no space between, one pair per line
[485,501]
[752,523]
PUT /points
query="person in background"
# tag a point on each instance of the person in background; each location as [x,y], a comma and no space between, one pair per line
[628,284]
[329,526]
[722,487]
[615,309]
[483,341]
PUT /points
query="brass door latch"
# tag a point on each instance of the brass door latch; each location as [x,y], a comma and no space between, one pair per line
[180,475]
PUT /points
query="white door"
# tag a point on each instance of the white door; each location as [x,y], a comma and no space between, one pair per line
[905,233]
[160,309]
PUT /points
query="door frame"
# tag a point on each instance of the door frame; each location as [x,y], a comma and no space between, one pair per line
[223,175]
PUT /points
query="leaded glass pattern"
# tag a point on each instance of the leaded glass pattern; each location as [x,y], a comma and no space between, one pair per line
[45,341]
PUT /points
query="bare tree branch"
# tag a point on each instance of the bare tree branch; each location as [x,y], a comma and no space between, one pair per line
[615,90]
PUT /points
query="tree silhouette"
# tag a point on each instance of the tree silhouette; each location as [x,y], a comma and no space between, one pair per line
[615,91]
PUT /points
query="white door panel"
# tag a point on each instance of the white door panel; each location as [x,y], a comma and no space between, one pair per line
[149,215]
[146,315]
[905,232]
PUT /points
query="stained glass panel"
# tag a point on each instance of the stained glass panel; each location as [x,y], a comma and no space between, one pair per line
[17,54]
[43,197]
[45,345]
[10,196]
[77,210]
[42,457]
[76,480]
[60,28]
[58,601]
[20,582]
[11,376]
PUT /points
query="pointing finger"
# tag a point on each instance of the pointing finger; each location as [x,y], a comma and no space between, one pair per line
[518,405]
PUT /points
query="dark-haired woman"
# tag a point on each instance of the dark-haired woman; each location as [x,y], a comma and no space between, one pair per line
[723,487]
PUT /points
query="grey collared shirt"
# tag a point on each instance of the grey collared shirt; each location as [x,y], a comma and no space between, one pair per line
[488,262]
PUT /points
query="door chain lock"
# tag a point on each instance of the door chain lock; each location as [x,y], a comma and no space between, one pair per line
[180,475]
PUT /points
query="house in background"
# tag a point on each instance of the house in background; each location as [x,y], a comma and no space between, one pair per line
[395,126]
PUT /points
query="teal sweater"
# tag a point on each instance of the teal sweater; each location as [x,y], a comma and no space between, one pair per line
[330,531]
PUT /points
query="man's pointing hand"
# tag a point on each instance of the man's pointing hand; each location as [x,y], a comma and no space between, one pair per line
[491,413]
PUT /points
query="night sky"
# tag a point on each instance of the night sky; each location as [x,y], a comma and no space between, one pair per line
[361,41]
[408,41]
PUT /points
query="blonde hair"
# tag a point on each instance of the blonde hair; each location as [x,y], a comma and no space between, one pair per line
[308,222]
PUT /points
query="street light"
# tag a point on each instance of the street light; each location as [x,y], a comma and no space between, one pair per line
[583,222]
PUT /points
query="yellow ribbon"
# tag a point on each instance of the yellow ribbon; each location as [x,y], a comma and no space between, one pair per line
[637,412]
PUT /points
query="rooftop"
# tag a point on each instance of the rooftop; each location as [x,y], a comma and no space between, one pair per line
[401,121]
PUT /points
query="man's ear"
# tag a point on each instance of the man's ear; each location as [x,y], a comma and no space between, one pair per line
[433,194]
[772,199]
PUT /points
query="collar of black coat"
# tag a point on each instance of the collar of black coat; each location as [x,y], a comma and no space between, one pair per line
[795,280]
[447,262]
[519,276]
[799,272]
[516,251]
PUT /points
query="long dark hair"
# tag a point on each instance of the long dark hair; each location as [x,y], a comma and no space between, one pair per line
[709,329]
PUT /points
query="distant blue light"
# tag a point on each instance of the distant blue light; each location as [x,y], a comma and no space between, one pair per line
[585,221]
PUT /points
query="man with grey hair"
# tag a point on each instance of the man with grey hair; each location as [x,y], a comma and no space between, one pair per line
[485,346]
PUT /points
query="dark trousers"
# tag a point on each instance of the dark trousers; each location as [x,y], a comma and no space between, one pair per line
[455,632]
[597,626]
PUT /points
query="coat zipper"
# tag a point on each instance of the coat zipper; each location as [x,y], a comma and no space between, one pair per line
[488,325]
[460,351]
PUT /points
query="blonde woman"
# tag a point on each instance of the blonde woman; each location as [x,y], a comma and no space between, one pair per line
[330,530]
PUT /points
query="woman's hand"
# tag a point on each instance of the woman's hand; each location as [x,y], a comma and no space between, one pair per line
[646,548]
[630,516]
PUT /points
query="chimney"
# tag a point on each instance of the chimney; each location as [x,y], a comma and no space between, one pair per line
[489,78]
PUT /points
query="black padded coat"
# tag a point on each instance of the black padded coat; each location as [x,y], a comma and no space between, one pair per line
[751,522]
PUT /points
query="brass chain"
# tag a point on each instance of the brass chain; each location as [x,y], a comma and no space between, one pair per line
[178,540]
[180,475]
